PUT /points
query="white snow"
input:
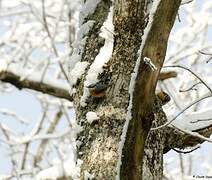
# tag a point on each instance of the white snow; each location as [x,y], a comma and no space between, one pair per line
[132,85]
[88,8]
[77,71]
[195,134]
[78,44]
[101,59]
[88,176]
[149,62]
[36,77]
[69,165]
[83,28]
[5,177]
[186,123]
[3,65]
[67,168]
[13,114]
[194,121]
[91,116]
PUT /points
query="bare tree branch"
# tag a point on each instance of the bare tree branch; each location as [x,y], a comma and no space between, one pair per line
[186,152]
[185,68]
[178,139]
[52,41]
[208,95]
[167,75]
[51,128]
[43,87]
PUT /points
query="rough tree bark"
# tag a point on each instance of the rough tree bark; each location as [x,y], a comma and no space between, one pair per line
[142,155]
[100,139]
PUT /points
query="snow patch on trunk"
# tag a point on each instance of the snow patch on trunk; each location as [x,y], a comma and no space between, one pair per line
[91,116]
[101,59]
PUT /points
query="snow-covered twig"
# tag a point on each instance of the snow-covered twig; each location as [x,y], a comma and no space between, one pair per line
[13,114]
[51,128]
[7,139]
[182,67]
[27,139]
[195,134]
[48,86]
[39,124]
[52,43]
[187,107]
[207,54]
[201,120]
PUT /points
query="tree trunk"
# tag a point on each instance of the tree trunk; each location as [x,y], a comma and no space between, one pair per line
[99,147]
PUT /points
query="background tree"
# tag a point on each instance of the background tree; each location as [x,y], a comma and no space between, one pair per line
[61,48]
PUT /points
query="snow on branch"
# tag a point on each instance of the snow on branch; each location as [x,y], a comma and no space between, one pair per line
[197,76]
[83,27]
[88,8]
[26,139]
[195,134]
[173,120]
[181,137]
[60,171]
[48,85]
[76,67]
[13,114]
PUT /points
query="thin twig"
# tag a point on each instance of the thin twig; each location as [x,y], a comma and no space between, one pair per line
[190,88]
[51,128]
[14,115]
[24,140]
[190,165]
[204,53]
[186,152]
[201,120]
[195,102]
[181,166]
[186,2]
[13,161]
[35,131]
[207,54]
[182,67]
[52,42]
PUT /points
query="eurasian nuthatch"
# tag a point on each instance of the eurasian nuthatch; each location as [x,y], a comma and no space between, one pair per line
[97,90]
